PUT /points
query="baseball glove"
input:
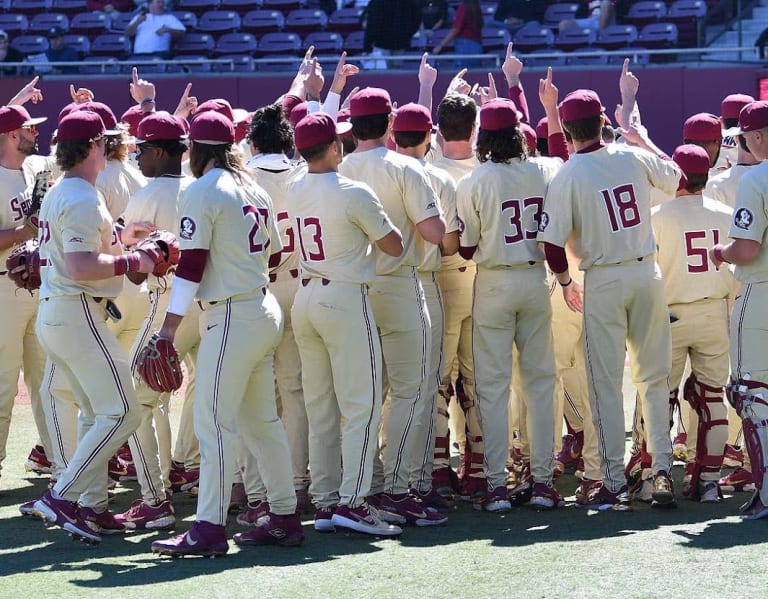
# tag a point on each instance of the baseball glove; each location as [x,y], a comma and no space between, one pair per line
[159,365]
[40,188]
[23,266]
[163,248]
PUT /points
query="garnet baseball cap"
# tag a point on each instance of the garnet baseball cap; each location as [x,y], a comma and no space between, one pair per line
[212,128]
[499,114]
[219,105]
[692,159]
[343,117]
[530,136]
[298,112]
[15,117]
[317,128]
[370,101]
[67,109]
[104,111]
[161,126]
[753,117]
[81,125]
[703,126]
[542,128]
[732,104]
[412,117]
[132,117]
[580,104]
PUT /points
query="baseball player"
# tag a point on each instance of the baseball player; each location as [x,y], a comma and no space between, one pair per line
[696,295]
[397,297]
[705,130]
[601,196]
[729,118]
[228,237]
[83,264]
[18,344]
[511,304]
[336,222]
[412,132]
[748,387]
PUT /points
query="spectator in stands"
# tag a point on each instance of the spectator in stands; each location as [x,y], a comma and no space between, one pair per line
[155,30]
[8,54]
[58,52]
[466,31]
[109,7]
[434,14]
[390,24]
[516,13]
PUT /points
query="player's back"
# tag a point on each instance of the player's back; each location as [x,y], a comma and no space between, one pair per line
[275,183]
[723,187]
[117,183]
[685,229]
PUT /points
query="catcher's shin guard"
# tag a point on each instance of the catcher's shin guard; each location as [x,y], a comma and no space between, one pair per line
[712,431]
[474,453]
[755,424]
[442,458]
[674,406]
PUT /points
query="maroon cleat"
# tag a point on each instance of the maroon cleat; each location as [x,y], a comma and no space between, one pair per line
[204,538]
[251,514]
[545,496]
[185,480]
[103,522]
[143,516]
[37,461]
[570,453]
[65,514]
[274,530]
[404,508]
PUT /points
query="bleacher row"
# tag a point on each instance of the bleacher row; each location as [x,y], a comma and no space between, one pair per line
[234,31]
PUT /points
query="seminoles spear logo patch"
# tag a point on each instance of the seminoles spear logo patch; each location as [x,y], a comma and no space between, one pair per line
[743,218]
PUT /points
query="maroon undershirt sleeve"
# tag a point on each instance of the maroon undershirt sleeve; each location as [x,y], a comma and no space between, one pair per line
[556,258]
[192,265]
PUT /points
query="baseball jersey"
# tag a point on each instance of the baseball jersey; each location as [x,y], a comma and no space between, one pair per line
[404,191]
[604,197]
[74,218]
[685,229]
[158,203]
[729,153]
[723,186]
[500,206]
[118,182]
[445,190]
[17,192]
[273,172]
[457,169]
[750,221]
[233,219]
[337,220]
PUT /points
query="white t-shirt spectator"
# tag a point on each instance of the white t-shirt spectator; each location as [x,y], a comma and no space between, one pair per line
[148,41]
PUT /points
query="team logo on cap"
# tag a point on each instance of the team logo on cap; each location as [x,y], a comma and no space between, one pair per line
[187,228]
[743,218]
[543,222]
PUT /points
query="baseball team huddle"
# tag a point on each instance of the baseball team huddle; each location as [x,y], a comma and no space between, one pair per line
[356,290]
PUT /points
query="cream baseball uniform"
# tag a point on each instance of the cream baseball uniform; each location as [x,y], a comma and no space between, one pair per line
[696,295]
[602,197]
[158,202]
[337,220]
[71,326]
[511,307]
[19,348]
[723,186]
[240,328]
[423,458]
[397,299]
[117,183]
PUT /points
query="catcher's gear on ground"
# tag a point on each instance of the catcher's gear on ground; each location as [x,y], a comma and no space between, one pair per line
[40,188]
[159,365]
[23,266]
[163,248]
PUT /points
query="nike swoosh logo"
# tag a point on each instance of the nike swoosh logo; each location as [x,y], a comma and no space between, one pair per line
[190,541]
[210,326]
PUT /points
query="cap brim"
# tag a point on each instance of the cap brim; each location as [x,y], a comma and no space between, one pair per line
[35,121]
[732,131]
[212,142]
[343,128]
[138,141]
[112,131]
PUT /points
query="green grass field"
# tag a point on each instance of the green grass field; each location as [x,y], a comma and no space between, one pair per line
[691,551]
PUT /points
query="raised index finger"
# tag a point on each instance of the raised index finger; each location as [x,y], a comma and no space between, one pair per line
[509,50]
[424,59]
[625,67]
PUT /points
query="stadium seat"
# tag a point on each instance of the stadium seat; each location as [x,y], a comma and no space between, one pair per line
[90,65]
[44,21]
[262,21]
[69,7]
[240,63]
[14,23]
[596,56]
[533,59]
[495,38]
[236,43]
[285,6]
[197,6]
[346,20]
[575,37]
[420,41]
[30,7]
[488,10]
[644,12]
[219,21]
[279,66]
[437,36]
[531,38]
[636,54]
[145,64]
[279,43]
[658,35]
[195,43]
[111,44]
[88,23]
[120,21]
[240,6]
[30,44]
[354,43]
[614,37]
[306,20]
[560,11]
[81,43]
[687,15]
[188,64]
[328,42]
[187,18]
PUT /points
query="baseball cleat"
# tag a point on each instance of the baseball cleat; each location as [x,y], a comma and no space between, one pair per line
[663,494]
[303,501]
[28,509]
[37,461]
[737,481]
[569,455]
[709,492]
[65,514]
[472,488]
[445,482]
[274,529]
[733,457]
[185,480]
[433,499]
[250,515]
[603,499]
[496,501]
[522,492]
[644,491]
[204,539]
[117,470]
[585,487]
[364,519]
[680,447]
[103,522]
[403,508]
[143,516]
[545,496]
[754,509]
[324,519]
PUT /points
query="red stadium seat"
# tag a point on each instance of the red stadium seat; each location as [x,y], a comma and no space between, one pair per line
[187,18]
[328,42]
[219,21]
[575,37]
[596,56]
[644,12]
[81,43]
[13,23]
[69,7]
[236,43]
[111,44]
[195,43]
[346,20]
[561,11]
[531,38]
[614,37]
[44,21]
[263,21]
[30,7]
[30,44]
[88,23]
[306,20]
[197,6]
[279,43]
